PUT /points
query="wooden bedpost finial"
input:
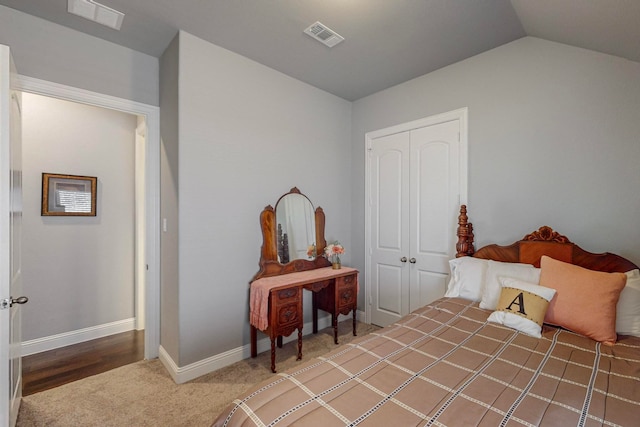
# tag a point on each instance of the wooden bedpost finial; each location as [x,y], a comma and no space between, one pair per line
[464,247]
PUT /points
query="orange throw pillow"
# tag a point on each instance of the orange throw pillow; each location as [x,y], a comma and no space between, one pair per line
[585,300]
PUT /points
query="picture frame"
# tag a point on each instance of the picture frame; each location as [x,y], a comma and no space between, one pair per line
[68,195]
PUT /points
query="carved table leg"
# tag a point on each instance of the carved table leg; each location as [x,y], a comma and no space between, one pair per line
[279,341]
[273,355]
[354,323]
[254,341]
[334,320]
[299,344]
[314,311]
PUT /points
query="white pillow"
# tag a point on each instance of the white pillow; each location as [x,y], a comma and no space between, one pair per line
[467,278]
[628,309]
[496,269]
[520,310]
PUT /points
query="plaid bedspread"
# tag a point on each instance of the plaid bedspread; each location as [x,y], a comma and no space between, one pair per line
[444,365]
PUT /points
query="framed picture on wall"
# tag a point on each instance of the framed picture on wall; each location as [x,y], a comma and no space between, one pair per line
[68,195]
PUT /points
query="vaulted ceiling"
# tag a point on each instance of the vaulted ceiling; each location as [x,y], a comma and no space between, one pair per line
[386,42]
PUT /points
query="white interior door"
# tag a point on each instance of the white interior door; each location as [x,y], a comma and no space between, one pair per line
[416,180]
[10,243]
[389,243]
[435,187]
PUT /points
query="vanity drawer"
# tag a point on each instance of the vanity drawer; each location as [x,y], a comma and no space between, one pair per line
[286,295]
[346,280]
[346,291]
[317,286]
[288,314]
[346,296]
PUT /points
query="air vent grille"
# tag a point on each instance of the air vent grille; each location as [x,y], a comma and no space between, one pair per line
[96,12]
[324,34]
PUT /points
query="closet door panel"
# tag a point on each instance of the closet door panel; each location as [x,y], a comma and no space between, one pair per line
[430,177]
[388,303]
[389,198]
[434,195]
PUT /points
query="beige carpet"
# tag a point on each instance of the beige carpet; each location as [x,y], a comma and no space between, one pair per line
[143,393]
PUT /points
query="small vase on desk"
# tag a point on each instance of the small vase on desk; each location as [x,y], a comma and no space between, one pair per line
[335,263]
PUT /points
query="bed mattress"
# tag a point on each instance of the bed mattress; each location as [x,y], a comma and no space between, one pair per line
[445,365]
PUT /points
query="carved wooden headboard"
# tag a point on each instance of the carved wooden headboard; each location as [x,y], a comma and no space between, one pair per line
[544,241]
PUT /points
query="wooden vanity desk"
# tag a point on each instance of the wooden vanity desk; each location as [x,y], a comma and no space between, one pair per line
[334,291]
[291,261]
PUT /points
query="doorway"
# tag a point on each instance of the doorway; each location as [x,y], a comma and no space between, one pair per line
[148,255]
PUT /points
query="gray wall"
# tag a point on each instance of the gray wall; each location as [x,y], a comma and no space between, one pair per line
[554,139]
[247,135]
[77,271]
[57,54]
[169,175]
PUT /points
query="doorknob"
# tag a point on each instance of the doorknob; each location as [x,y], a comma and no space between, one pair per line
[8,302]
[19,300]
[403,259]
[412,260]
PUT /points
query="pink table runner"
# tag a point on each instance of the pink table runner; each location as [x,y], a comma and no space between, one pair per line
[259,296]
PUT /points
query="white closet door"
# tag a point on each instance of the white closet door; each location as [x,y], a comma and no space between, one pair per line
[434,189]
[389,199]
[415,181]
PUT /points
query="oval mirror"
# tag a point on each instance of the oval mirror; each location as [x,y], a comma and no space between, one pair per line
[287,236]
[296,228]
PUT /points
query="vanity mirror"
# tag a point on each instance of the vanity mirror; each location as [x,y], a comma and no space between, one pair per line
[288,232]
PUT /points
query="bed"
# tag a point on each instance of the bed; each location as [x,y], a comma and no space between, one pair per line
[540,332]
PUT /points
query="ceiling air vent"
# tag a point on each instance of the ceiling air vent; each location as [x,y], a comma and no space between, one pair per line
[324,34]
[96,12]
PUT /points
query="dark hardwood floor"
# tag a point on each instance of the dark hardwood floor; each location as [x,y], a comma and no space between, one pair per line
[53,368]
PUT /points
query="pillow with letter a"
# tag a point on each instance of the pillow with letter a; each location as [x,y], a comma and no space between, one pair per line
[585,300]
[522,306]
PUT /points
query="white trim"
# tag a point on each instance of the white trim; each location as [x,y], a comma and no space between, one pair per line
[6,397]
[461,114]
[202,367]
[74,337]
[152,186]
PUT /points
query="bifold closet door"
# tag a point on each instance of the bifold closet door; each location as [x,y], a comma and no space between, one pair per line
[414,193]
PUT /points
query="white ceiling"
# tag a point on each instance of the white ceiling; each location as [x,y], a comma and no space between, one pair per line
[387,41]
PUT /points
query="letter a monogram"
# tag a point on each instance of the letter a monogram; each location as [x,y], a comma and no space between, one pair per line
[520,304]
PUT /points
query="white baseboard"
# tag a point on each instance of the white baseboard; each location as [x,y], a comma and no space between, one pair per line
[194,370]
[74,337]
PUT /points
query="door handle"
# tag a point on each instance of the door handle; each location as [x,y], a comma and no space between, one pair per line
[19,300]
[412,260]
[8,302]
[403,259]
